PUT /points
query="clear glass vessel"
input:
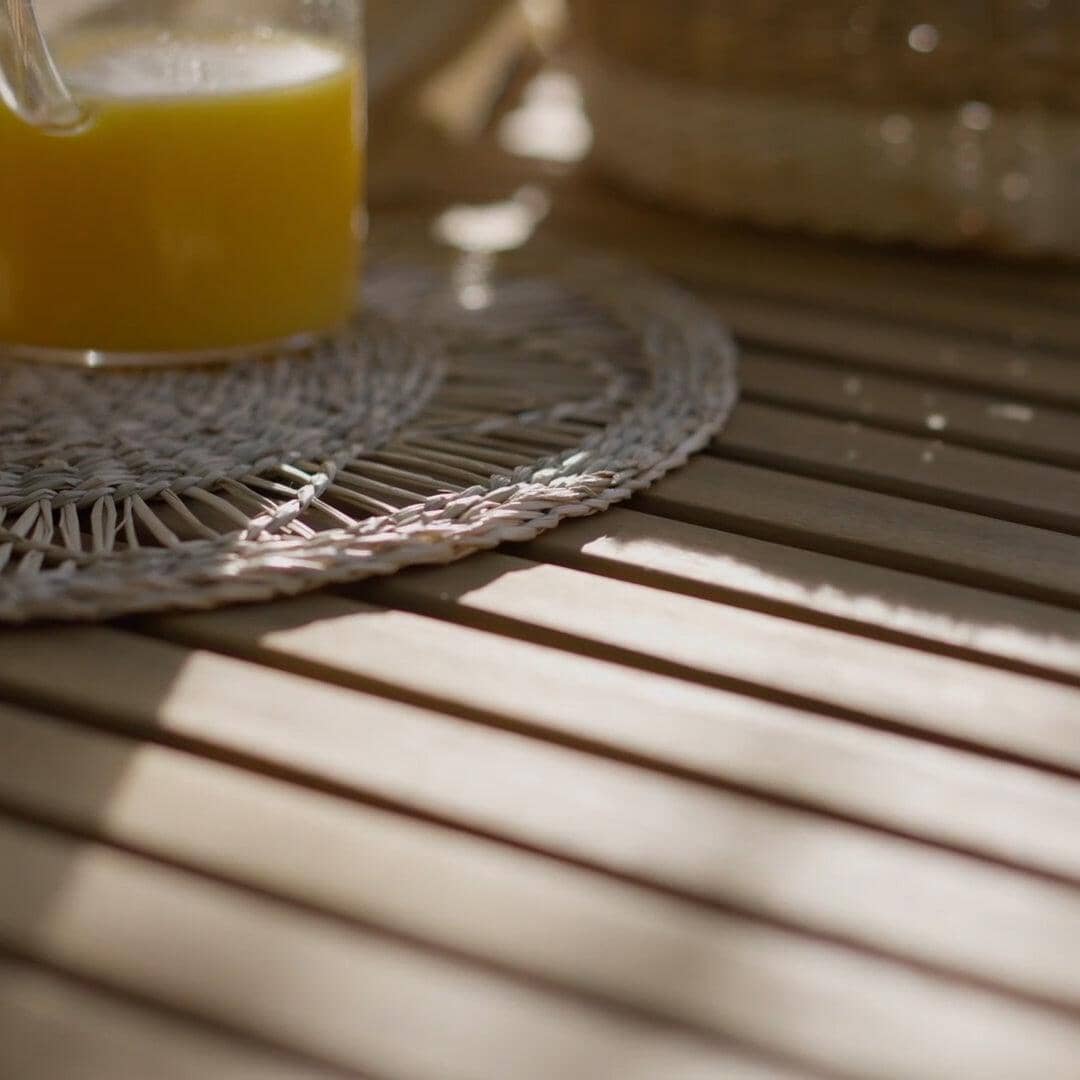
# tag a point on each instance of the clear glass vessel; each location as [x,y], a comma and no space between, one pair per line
[182,178]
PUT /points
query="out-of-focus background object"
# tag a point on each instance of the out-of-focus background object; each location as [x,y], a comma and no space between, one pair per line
[408,37]
[949,123]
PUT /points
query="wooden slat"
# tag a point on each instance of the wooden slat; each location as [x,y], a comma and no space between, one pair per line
[971,294]
[901,533]
[356,999]
[950,359]
[992,422]
[842,1013]
[926,469]
[277,972]
[843,280]
[827,876]
[726,567]
[54,1029]
[932,792]
[942,696]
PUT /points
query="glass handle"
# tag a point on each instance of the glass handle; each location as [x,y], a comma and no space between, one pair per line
[30,85]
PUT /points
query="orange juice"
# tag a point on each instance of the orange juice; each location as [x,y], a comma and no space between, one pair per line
[209,201]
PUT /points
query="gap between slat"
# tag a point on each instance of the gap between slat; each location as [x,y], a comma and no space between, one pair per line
[551,988]
[304,775]
[854,455]
[622,755]
[870,346]
[299,1065]
[835,389]
[600,546]
[282,941]
[870,527]
[707,904]
[572,987]
[516,888]
[522,630]
[851,284]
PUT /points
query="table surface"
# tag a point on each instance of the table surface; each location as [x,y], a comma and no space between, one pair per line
[771,773]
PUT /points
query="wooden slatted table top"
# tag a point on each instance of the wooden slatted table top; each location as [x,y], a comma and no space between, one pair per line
[770,773]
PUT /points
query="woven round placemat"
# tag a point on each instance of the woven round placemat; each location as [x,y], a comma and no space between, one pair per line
[471,404]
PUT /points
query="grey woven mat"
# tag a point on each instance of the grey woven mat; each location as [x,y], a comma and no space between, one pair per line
[471,404]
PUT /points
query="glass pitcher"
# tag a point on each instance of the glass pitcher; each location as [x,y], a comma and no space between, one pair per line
[181,179]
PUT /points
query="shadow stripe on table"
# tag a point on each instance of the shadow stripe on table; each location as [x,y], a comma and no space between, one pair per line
[264,967]
[511,628]
[234,830]
[834,389]
[563,697]
[514,909]
[117,832]
[873,601]
[819,670]
[679,763]
[925,470]
[508,908]
[578,692]
[55,1025]
[503,790]
[871,527]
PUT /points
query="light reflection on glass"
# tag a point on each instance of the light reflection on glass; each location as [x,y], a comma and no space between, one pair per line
[551,123]
[494,227]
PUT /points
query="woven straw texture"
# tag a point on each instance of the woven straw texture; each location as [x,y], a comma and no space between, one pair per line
[1008,53]
[952,125]
[470,405]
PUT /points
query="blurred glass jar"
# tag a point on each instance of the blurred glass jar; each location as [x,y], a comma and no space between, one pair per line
[189,185]
[951,123]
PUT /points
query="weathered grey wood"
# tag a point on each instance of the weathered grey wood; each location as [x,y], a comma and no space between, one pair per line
[996,422]
[846,284]
[868,599]
[926,469]
[305,980]
[842,1012]
[899,784]
[782,864]
[1022,372]
[869,526]
[944,795]
[52,1028]
[940,696]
